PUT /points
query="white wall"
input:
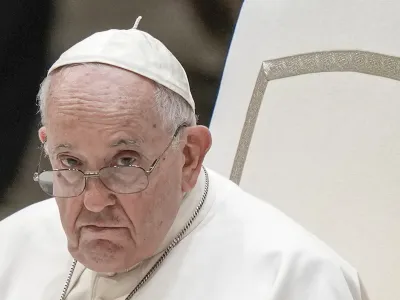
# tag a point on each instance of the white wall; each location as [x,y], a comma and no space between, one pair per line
[326,146]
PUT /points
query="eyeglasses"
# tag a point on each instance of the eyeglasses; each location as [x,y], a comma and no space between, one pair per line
[67,183]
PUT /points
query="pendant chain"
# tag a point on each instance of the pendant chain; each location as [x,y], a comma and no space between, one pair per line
[158,263]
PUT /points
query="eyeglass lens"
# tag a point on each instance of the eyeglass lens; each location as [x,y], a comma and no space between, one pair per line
[71,183]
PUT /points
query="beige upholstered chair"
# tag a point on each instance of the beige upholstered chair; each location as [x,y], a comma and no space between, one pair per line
[308,118]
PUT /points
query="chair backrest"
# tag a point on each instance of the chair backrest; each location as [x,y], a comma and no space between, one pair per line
[308,118]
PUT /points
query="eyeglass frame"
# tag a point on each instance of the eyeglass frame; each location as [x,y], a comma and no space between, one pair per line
[96,174]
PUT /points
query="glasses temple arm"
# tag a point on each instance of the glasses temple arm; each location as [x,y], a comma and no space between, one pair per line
[155,163]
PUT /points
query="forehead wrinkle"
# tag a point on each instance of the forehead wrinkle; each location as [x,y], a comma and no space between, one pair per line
[84,92]
[95,114]
[92,92]
[74,116]
[91,102]
[115,99]
[87,107]
[93,81]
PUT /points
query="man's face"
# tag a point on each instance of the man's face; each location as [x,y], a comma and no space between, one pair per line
[104,116]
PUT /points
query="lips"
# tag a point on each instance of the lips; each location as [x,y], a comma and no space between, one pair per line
[100,225]
[97,228]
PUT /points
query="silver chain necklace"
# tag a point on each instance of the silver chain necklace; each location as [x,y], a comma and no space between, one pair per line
[158,263]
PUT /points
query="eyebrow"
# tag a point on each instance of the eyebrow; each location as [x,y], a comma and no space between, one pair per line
[126,142]
[62,146]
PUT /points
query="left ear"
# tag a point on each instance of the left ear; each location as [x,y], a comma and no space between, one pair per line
[198,142]
[42,134]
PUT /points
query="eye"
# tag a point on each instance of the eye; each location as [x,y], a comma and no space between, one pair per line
[69,162]
[126,160]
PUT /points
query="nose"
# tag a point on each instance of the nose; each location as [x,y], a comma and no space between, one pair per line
[96,197]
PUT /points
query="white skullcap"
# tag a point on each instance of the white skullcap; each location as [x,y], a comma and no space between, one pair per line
[133,50]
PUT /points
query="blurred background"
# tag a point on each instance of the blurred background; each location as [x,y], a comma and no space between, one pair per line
[34,33]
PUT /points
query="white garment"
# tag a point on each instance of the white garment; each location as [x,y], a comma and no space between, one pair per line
[240,248]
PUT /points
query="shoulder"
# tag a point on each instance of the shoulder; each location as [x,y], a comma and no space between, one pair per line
[35,216]
[260,221]
[300,260]
[32,242]
[30,228]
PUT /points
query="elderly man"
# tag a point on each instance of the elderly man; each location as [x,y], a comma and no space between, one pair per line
[134,213]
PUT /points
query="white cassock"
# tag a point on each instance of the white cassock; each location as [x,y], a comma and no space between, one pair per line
[239,247]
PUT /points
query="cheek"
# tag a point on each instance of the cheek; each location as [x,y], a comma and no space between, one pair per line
[69,210]
[138,208]
[158,202]
[164,195]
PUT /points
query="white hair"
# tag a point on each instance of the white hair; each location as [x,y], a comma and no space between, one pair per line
[172,108]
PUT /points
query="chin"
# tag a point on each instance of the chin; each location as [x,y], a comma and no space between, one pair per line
[101,255]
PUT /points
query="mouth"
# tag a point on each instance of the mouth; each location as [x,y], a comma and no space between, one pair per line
[107,232]
[97,228]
